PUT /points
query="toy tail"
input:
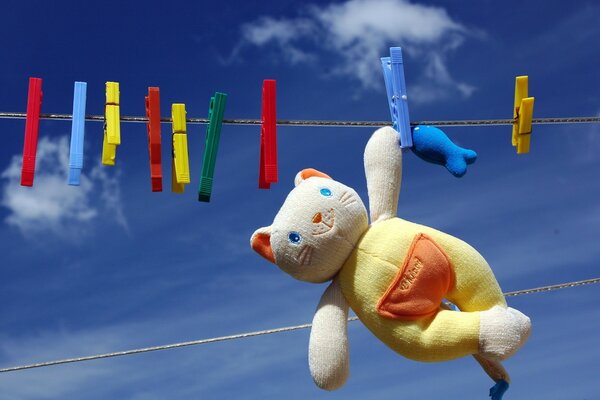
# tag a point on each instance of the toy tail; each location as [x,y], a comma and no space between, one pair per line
[496,371]
[456,163]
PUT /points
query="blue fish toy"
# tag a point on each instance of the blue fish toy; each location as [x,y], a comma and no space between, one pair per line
[432,145]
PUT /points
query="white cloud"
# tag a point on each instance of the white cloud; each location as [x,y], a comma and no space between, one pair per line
[283,33]
[359,32]
[391,19]
[110,194]
[437,82]
[51,205]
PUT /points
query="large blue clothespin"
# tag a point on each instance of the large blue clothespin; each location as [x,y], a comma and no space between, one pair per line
[395,85]
[429,143]
[77,133]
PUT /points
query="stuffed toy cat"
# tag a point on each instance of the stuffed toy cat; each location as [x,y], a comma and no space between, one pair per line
[394,274]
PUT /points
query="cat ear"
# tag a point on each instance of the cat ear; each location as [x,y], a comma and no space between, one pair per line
[308,173]
[261,243]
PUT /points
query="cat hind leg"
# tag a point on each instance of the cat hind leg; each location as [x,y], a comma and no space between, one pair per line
[502,331]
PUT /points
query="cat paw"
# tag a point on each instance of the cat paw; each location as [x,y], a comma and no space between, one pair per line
[502,331]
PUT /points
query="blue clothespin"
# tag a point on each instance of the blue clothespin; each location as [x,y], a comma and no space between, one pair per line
[395,85]
[77,133]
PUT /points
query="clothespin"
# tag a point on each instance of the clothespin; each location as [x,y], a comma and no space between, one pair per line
[395,85]
[112,124]
[77,133]
[213,134]
[268,137]
[523,115]
[180,167]
[154,144]
[32,126]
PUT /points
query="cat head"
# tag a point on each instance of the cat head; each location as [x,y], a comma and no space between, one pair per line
[315,230]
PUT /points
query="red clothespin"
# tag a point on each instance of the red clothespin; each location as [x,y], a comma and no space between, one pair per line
[32,126]
[154,147]
[268,137]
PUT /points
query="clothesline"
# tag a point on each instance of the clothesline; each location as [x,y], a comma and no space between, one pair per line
[321,123]
[542,289]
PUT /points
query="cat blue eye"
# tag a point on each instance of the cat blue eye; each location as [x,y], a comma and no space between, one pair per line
[325,192]
[295,238]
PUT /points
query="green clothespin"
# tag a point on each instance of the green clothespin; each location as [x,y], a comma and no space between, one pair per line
[213,134]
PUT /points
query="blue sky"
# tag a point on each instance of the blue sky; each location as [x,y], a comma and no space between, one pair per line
[112,266]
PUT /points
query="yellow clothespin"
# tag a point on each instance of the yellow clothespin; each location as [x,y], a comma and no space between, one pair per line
[180,166]
[523,115]
[112,121]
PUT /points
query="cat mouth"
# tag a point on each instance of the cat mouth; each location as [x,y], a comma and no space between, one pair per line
[323,222]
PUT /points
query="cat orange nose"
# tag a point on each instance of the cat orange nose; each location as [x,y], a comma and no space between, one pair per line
[317,218]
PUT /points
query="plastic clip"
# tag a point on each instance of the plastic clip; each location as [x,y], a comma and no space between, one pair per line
[77,133]
[395,85]
[268,136]
[523,115]
[180,167]
[112,124]
[32,127]
[154,145]
[213,134]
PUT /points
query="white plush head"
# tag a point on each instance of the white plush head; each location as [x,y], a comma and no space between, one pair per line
[315,230]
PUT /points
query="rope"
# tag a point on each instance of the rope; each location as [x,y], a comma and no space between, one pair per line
[322,123]
[550,288]
[260,333]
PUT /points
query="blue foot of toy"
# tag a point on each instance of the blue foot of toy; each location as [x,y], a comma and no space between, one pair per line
[498,390]
[432,145]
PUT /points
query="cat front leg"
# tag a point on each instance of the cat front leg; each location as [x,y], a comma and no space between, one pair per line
[328,353]
[383,168]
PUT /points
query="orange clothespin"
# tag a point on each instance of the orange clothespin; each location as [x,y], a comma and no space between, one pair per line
[32,126]
[523,115]
[154,146]
[268,137]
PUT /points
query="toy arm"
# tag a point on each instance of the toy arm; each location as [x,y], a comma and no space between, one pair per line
[383,168]
[328,356]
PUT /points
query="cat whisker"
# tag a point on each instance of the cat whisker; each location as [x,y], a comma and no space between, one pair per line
[305,255]
[302,252]
[305,249]
[344,197]
[309,257]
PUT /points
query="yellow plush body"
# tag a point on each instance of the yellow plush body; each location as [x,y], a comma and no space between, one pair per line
[372,266]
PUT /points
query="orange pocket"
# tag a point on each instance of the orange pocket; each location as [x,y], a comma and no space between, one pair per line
[421,284]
